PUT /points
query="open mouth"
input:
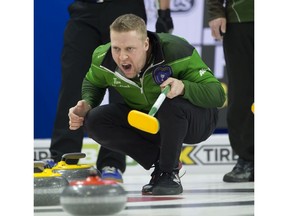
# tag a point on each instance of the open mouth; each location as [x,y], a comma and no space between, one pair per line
[126,67]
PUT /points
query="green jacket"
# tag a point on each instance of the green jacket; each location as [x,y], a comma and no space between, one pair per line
[235,11]
[168,51]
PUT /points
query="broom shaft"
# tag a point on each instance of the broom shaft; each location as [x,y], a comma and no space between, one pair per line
[159,101]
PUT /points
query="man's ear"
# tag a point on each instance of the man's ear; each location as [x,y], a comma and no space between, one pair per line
[146,44]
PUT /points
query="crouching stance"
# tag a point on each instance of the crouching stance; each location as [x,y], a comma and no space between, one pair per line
[139,64]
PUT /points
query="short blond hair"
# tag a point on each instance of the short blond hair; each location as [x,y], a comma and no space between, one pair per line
[130,22]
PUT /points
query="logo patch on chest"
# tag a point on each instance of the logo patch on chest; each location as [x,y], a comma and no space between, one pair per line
[161,73]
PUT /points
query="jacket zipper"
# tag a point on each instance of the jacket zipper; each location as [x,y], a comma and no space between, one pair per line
[142,78]
[131,82]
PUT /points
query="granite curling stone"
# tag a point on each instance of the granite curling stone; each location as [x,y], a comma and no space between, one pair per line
[93,196]
[48,186]
[74,172]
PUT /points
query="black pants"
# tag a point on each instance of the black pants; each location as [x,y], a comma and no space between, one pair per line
[239,55]
[88,27]
[180,122]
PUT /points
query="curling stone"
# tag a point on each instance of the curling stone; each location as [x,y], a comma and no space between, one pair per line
[48,186]
[74,172]
[93,196]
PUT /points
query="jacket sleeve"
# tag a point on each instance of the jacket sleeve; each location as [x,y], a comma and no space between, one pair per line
[91,93]
[202,88]
[206,95]
[94,85]
[215,9]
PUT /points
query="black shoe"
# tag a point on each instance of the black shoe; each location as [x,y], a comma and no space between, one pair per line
[147,189]
[243,171]
[167,184]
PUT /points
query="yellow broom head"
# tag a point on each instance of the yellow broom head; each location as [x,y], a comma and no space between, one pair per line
[143,121]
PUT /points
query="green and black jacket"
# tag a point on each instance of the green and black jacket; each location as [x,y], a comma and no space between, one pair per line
[235,11]
[201,87]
